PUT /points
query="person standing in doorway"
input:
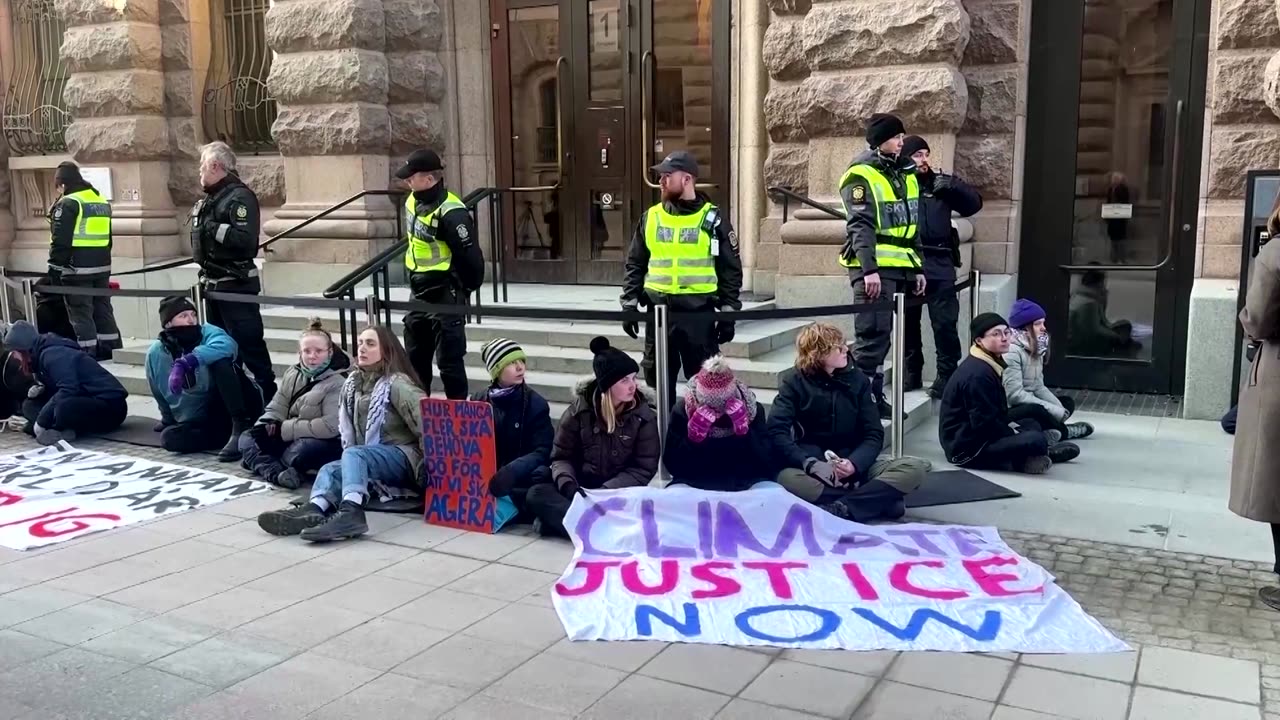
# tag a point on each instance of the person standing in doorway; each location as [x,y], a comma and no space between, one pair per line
[940,195]
[881,250]
[444,264]
[80,256]
[684,253]
[224,242]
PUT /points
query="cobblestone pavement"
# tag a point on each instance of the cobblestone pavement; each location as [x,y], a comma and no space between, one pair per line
[201,615]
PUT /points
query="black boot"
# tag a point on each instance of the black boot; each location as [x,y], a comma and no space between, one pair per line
[347,523]
[1063,452]
[231,451]
[914,381]
[882,403]
[291,521]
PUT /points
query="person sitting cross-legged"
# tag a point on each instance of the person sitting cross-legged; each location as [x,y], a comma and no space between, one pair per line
[825,426]
[380,422]
[1024,387]
[298,432]
[717,437]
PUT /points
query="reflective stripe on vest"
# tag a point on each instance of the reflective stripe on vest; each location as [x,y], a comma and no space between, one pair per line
[93,222]
[680,259]
[425,253]
[895,218]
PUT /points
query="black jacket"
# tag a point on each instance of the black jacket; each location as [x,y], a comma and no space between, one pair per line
[817,412]
[728,263]
[225,227]
[67,371]
[974,411]
[731,463]
[456,230]
[941,195]
[860,214]
[523,434]
[63,258]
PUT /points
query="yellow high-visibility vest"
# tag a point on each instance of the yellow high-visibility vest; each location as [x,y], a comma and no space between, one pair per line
[680,251]
[425,253]
[896,217]
[93,224]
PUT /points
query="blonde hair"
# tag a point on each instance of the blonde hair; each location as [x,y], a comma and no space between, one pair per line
[315,326]
[609,412]
[814,343]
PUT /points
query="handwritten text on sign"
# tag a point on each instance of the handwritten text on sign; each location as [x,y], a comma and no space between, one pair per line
[47,495]
[763,568]
[460,458]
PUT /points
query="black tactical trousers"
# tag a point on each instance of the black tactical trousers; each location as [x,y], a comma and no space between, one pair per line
[243,322]
[92,318]
[442,338]
[944,313]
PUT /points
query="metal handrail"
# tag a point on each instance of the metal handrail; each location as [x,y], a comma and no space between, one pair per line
[788,195]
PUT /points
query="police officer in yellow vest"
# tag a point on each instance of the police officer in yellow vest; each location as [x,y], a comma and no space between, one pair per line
[80,255]
[882,249]
[684,253]
[444,264]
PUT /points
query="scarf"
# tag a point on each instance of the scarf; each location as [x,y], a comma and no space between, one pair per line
[1023,338]
[311,374]
[180,340]
[497,392]
[378,402]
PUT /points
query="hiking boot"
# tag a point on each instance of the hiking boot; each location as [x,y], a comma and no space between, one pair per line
[882,405]
[913,381]
[1053,436]
[1038,465]
[1077,430]
[347,523]
[293,520]
[289,479]
[935,390]
[838,509]
[1064,452]
[231,451]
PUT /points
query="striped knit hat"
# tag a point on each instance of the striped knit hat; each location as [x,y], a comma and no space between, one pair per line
[499,353]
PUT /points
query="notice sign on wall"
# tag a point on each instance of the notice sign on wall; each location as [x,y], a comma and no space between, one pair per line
[763,568]
[459,459]
[50,495]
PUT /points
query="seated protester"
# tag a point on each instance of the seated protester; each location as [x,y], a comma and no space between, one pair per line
[1024,388]
[202,393]
[717,437]
[298,432]
[72,394]
[380,422]
[608,438]
[973,420]
[826,431]
[521,424]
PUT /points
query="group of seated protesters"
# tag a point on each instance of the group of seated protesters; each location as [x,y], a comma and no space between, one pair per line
[358,429]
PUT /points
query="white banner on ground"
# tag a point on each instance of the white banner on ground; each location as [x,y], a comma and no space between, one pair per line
[764,568]
[51,495]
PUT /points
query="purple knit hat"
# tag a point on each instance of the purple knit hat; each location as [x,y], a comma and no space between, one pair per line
[1024,313]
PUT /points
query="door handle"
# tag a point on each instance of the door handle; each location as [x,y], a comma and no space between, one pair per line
[1171,230]
[560,61]
[647,60]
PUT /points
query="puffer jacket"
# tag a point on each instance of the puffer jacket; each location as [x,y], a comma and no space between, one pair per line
[402,424]
[1023,379]
[307,408]
[584,453]
[190,405]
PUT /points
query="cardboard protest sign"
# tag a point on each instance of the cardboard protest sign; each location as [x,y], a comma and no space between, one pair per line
[50,495]
[762,567]
[459,459]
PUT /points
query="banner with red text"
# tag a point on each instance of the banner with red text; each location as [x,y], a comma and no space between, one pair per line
[764,568]
[50,495]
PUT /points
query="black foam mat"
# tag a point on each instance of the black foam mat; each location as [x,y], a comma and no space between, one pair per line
[953,487]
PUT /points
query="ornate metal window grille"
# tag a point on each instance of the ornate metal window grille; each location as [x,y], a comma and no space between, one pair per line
[35,117]
[238,109]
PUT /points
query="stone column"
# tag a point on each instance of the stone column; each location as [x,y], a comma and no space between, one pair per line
[416,79]
[115,93]
[834,64]
[330,80]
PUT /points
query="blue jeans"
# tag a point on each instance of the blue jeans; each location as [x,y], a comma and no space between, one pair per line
[305,455]
[359,467]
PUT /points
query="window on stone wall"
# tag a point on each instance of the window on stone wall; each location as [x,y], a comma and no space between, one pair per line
[35,117]
[238,110]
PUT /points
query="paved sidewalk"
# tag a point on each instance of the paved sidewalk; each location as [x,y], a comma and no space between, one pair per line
[201,615]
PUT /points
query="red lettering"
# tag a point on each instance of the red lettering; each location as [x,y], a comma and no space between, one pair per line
[595,577]
[859,581]
[721,586]
[46,529]
[899,578]
[992,583]
[631,578]
[7,498]
[39,517]
[777,572]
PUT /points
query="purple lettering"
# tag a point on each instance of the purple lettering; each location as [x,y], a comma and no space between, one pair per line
[732,533]
[652,540]
[588,521]
[921,538]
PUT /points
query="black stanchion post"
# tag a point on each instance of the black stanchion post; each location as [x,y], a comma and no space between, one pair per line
[662,368]
[899,372]
[371,309]
[343,340]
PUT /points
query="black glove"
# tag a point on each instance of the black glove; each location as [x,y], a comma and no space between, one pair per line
[632,329]
[941,182]
[724,332]
[501,482]
[821,471]
[571,488]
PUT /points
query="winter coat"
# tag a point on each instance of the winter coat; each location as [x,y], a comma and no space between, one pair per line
[816,412]
[584,453]
[67,371]
[974,411]
[1255,464]
[401,424]
[523,433]
[308,408]
[190,405]
[730,463]
[941,195]
[1023,379]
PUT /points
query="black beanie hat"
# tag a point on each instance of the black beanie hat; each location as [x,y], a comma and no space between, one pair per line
[913,144]
[883,127]
[610,364]
[172,306]
[983,323]
[68,173]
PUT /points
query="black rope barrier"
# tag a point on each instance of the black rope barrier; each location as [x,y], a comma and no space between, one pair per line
[304,302]
[105,292]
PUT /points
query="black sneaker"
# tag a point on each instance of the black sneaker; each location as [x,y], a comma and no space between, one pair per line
[1064,452]
[231,451]
[1053,436]
[886,410]
[838,509]
[289,479]
[896,511]
[1038,465]
[291,521]
[347,523]
[1077,430]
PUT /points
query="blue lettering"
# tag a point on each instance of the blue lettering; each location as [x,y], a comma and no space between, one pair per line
[692,625]
[986,632]
[830,623]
